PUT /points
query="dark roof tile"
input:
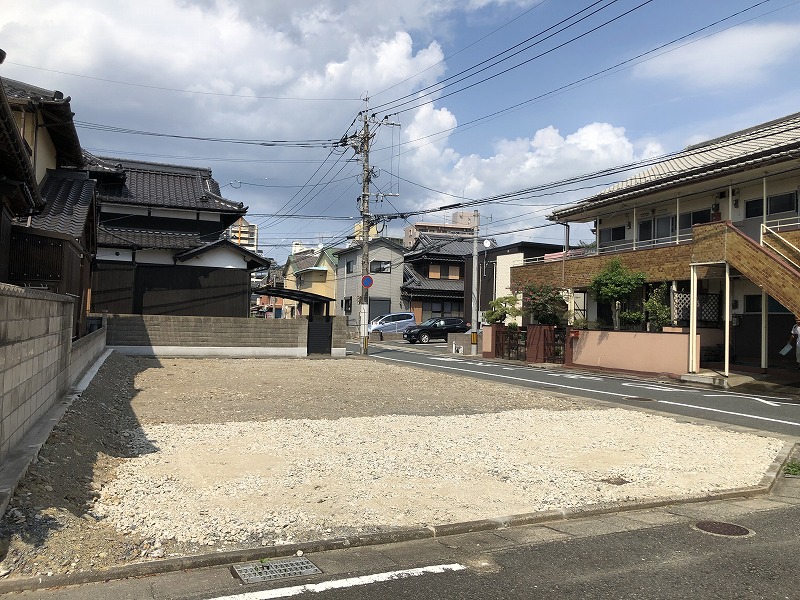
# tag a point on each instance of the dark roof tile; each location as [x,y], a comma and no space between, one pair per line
[68,196]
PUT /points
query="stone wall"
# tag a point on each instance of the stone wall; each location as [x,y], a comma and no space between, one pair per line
[38,360]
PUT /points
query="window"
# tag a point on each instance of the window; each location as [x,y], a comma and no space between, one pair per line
[348,305]
[455,272]
[434,271]
[752,303]
[348,268]
[612,234]
[779,203]
[380,266]
[689,219]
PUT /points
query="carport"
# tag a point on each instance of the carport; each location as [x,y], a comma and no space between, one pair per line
[320,323]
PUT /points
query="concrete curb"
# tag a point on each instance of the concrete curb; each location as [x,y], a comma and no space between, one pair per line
[170,565]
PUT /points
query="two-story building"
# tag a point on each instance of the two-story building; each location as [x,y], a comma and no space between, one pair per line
[719,223]
[386,270]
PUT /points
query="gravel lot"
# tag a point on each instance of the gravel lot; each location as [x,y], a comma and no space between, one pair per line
[171,457]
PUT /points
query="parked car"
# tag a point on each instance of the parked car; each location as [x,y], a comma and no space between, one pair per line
[436,328]
[393,322]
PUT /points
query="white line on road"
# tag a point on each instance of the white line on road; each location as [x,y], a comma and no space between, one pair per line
[569,387]
[550,383]
[336,584]
[728,412]
[757,399]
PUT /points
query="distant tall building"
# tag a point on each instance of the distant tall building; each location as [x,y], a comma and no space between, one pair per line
[244,234]
[461,224]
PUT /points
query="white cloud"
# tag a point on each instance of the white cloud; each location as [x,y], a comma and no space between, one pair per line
[741,56]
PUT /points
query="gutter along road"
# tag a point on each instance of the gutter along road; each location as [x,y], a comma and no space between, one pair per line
[777,414]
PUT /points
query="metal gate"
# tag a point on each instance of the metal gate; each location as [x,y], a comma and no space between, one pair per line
[320,337]
[555,344]
[511,344]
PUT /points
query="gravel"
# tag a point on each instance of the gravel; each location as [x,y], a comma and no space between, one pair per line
[175,457]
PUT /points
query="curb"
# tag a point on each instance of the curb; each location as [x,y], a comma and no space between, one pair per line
[171,565]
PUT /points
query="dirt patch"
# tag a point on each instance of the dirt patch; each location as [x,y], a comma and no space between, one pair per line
[182,456]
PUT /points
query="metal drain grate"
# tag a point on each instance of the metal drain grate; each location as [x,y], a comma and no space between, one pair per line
[276,568]
[720,528]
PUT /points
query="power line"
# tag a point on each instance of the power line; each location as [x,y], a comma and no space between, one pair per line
[397,109]
[312,143]
[191,92]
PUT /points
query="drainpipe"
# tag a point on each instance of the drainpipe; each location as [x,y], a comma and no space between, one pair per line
[633,225]
[677,219]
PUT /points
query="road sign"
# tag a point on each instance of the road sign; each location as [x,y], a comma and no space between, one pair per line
[366,281]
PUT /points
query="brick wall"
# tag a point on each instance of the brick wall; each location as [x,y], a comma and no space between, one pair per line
[38,361]
[659,264]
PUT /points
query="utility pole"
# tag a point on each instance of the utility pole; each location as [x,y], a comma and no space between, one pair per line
[475,299]
[360,142]
[366,223]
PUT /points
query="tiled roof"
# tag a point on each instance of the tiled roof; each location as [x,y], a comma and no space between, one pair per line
[428,245]
[301,261]
[119,237]
[769,143]
[15,164]
[57,115]
[254,260]
[414,281]
[68,197]
[161,185]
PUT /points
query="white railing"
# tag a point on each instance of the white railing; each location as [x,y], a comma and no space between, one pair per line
[765,242]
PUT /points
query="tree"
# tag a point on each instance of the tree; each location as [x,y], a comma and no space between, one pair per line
[613,285]
[544,303]
[501,308]
[657,307]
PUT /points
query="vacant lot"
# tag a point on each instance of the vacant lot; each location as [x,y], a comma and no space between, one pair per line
[170,457]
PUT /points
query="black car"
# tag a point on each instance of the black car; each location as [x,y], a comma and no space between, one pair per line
[436,328]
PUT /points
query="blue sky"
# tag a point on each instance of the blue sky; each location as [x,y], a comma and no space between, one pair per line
[300,70]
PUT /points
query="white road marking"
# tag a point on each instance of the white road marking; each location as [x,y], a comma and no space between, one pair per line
[579,389]
[550,383]
[757,399]
[728,412]
[336,584]
[575,376]
[652,386]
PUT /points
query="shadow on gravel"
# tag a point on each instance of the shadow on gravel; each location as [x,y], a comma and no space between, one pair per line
[75,463]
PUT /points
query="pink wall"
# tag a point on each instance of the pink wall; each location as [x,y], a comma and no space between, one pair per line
[634,351]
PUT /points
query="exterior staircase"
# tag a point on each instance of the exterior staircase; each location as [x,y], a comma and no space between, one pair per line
[773,266]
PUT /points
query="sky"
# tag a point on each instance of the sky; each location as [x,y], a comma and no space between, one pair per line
[481,103]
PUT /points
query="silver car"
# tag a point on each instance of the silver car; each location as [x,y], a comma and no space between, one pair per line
[393,322]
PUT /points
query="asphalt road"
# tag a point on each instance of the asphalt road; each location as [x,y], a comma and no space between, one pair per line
[777,414]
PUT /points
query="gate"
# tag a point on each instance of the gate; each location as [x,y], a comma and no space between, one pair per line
[320,336]
[511,344]
[555,344]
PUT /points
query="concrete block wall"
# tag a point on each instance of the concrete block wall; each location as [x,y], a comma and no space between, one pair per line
[35,342]
[165,331]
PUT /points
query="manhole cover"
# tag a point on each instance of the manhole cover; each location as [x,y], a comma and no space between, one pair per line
[720,528]
[276,568]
